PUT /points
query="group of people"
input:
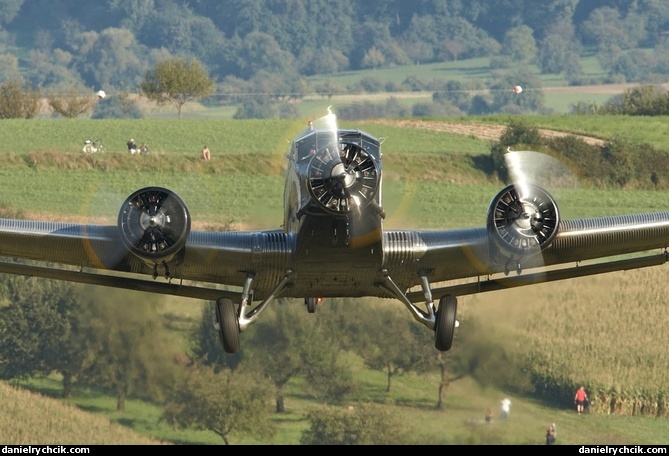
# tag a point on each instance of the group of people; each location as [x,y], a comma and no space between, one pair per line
[580,399]
[143,149]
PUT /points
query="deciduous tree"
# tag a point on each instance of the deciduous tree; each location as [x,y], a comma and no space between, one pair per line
[177,81]
[363,425]
[223,402]
[38,330]
[124,345]
[71,101]
[18,100]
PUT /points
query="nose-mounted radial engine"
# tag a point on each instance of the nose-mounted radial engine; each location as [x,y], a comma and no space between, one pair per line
[337,185]
[343,178]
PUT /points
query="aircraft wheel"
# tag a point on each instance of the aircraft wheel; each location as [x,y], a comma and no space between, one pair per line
[228,325]
[311,304]
[445,327]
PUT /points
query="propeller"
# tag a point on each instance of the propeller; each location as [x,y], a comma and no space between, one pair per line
[523,218]
[344,178]
[99,209]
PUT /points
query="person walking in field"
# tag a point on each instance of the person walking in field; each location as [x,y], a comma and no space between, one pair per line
[506,407]
[580,398]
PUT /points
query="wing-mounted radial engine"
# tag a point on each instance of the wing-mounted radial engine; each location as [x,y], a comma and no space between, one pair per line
[522,221]
[154,224]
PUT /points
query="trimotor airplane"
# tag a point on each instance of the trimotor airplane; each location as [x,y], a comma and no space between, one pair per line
[333,244]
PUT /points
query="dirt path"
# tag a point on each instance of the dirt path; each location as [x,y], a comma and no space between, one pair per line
[481,131]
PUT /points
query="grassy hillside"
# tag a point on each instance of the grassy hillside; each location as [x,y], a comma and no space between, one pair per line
[31,418]
[412,396]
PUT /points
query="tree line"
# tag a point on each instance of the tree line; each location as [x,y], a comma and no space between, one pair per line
[271,48]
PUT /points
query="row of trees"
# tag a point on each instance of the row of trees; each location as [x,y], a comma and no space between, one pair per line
[173,81]
[271,48]
[178,81]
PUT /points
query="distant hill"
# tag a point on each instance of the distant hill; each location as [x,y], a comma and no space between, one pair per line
[30,418]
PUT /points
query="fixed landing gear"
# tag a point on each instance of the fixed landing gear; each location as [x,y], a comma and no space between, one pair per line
[227,325]
[311,304]
[442,322]
[446,323]
[230,322]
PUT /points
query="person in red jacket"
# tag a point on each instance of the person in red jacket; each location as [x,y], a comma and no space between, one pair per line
[580,399]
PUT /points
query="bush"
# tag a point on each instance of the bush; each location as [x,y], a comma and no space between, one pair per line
[362,425]
[18,100]
[117,107]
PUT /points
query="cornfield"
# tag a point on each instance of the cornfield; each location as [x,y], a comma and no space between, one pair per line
[606,333]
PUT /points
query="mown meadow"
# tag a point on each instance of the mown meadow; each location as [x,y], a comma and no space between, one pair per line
[606,332]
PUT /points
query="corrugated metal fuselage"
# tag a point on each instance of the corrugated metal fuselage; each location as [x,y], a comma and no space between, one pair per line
[337,252]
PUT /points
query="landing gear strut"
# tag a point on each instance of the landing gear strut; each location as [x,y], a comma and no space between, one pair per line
[441,321]
[230,322]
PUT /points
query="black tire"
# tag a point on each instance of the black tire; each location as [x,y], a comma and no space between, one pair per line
[228,325]
[311,304]
[445,325]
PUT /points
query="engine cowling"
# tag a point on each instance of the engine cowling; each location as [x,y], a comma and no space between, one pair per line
[154,224]
[523,220]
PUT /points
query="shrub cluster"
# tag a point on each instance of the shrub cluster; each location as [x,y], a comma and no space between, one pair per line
[617,164]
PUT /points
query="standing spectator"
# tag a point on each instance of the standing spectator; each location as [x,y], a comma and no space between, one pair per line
[506,407]
[488,415]
[206,154]
[551,434]
[132,147]
[580,398]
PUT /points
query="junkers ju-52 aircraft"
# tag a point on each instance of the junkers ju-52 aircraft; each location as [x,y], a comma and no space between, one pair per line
[333,244]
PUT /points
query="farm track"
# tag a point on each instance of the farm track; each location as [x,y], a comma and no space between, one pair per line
[478,130]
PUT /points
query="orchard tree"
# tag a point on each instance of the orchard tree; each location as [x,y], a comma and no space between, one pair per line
[38,329]
[367,424]
[124,345]
[223,402]
[177,81]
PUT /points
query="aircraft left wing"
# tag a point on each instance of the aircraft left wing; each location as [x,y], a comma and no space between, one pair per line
[164,256]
